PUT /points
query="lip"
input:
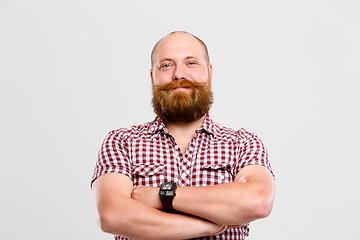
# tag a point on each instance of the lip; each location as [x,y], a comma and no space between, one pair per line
[181,89]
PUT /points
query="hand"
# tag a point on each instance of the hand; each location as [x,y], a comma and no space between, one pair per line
[215,229]
[242,179]
[148,196]
[233,226]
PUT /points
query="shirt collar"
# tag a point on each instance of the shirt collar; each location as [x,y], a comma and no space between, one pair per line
[208,125]
[159,125]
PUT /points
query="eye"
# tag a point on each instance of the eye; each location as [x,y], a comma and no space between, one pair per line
[165,65]
[192,63]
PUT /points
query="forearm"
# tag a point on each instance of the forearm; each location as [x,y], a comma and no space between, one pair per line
[119,214]
[137,221]
[228,204]
[233,203]
[249,198]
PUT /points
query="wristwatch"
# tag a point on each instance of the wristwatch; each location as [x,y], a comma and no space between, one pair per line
[167,194]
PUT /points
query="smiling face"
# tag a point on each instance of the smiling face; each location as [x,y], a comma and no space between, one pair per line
[180,56]
[181,77]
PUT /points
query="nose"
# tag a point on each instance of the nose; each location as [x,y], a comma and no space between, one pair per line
[179,73]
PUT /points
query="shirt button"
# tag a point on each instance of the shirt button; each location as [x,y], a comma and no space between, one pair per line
[183,175]
[222,177]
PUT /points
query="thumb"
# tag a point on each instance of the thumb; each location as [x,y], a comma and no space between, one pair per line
[241,179]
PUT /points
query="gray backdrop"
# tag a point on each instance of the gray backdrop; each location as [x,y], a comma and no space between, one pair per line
[72,70]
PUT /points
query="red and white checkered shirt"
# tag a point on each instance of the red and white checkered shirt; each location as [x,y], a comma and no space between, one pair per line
[148,155]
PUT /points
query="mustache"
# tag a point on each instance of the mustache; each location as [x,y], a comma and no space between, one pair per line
[172,106]
[185,83]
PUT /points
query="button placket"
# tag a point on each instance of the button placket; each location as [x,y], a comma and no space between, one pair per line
[185,171]
[186,162]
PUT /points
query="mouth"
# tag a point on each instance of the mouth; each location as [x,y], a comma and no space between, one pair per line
[179,89]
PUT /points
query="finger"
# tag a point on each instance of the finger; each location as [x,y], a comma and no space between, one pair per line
[241,179]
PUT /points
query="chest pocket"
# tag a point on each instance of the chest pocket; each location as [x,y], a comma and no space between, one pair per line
[150,175]
[212,174]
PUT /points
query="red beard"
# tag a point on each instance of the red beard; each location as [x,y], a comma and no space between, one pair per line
[173,106]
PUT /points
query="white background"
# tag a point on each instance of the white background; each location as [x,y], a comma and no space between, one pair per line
[72,70]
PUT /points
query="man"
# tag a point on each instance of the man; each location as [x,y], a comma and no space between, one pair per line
[213,180]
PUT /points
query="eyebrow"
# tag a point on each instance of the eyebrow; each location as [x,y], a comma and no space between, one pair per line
[165,59]
[186,58]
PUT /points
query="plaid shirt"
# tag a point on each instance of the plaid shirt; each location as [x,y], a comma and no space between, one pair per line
[148,155]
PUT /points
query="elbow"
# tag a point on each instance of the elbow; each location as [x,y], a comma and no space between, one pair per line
[114,223]
[262,210]
[257,208]
[105,222]
[262,207]
[109,223]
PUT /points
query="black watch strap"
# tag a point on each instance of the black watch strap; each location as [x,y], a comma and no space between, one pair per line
[167,194]
[167,203]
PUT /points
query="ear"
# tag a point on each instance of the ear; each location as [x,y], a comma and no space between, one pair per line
[210,72]
[151,76]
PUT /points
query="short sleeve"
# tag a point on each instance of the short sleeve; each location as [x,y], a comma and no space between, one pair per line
[113,156]
[250,151]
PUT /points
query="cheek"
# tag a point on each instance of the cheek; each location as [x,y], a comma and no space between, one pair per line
[201,76]
[162,77]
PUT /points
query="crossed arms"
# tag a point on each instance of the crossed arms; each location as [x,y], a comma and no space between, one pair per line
[136,214]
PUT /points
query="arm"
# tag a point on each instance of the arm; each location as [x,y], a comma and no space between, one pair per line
[233,203]
[118,214]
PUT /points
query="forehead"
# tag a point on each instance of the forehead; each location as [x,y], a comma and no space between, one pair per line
[178,45]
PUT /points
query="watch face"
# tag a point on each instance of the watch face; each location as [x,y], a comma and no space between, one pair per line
[167,193]
[166,186]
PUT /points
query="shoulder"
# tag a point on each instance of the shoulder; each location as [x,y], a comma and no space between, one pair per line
[133,132]
[246,135]
[223,132]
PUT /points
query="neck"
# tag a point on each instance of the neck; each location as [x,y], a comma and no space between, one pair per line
[184,128]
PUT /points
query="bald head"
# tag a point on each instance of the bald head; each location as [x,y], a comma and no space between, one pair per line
[179,34]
